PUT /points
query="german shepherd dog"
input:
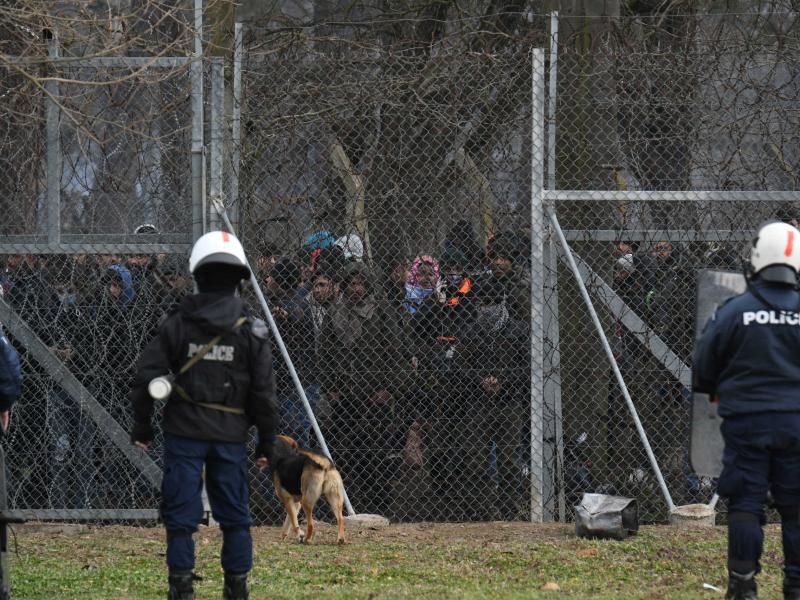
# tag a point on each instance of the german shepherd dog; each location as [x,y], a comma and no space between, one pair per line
[300,478]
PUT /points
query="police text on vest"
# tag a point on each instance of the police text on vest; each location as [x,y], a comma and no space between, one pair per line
[220,353]
[771,317]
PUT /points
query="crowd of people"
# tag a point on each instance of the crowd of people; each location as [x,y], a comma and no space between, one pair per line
[94,313]
[419,374]
[417,368]
[420,377]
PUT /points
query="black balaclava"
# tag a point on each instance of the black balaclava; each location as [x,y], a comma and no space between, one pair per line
[218,278]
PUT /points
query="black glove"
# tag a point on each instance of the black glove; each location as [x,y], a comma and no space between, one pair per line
[265,447]
[6,402]
[142,433]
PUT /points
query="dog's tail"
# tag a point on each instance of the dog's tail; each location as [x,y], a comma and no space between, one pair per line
[318,460]
[333,484]
[333,489]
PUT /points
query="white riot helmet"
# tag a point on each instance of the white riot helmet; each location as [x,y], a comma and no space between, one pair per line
[218,248]
[775,255]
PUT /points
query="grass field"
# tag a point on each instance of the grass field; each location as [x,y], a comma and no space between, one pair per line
[488,560]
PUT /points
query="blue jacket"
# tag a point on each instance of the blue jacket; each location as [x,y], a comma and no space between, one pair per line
[749,353]
[128,292]
[10,374]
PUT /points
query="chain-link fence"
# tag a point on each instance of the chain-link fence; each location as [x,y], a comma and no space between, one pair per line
[373,178]
[97,218]
[689,105]
[386,177]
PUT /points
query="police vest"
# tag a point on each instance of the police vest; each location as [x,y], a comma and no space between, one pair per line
[221,376]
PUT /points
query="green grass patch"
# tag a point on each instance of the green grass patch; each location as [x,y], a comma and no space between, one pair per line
[489,560]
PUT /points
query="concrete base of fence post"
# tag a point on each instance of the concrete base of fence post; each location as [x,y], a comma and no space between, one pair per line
[693,515]
[366,521]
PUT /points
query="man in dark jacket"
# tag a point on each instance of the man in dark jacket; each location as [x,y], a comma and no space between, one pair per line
[71,431]
[27,288]
[504,250]
[113,352]
[631,284]
[748,361]
[362,376]
[27,294]
[494,366]
[292,314]
[221,367]
[437,330]
[177,282]
[150,289]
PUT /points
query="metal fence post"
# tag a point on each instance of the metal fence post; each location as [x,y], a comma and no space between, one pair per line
[198,167]
[552,384]
[236,124]
[53,116]
[551,102]
[554,450]
[537,271]
[217,119]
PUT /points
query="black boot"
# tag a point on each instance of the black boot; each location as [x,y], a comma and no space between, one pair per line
[741,587]
[235,587]
[180,585]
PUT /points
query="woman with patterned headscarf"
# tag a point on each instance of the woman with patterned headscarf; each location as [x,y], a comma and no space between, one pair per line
[424,281]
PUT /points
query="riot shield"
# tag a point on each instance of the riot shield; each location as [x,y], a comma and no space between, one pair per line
[713,288]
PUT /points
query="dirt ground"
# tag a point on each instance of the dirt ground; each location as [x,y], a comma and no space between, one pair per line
[436,534]
[496,532]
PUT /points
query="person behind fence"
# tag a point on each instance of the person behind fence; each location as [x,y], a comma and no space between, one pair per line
[327,260]
[178,284]
[352,247]
[503,251]
[267,254]
[748,361]
[361,366]
[316,245]
[26,292]
[461,238]
[71,430]
[457,285]
[220,365]
[149,287]
[424,284]
[324,295]
[26,289]
[293,317]
[622,445]
[437,328]
[670,285]
[493,361]
[113,354]
[394,284]
[439,307]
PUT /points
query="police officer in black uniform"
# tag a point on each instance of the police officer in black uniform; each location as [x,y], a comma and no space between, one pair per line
[215,367]
[749,361]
